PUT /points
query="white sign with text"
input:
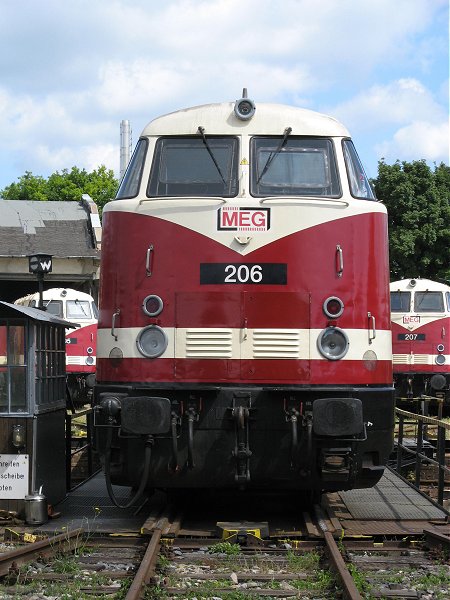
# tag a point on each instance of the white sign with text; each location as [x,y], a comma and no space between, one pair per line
[13,476]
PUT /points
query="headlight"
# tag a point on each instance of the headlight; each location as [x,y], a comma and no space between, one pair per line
[152,341]
[440,359]
[89,360]
[333,343]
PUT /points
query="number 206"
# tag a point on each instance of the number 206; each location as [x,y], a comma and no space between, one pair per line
[243,274]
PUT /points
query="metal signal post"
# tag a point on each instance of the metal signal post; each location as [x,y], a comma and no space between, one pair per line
[40,264]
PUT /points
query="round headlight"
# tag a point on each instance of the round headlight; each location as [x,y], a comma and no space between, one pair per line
[333,307]
[152,341]
[89,360]
[90,350]
[440,348]
[152,305]
[333,343]
[440,359]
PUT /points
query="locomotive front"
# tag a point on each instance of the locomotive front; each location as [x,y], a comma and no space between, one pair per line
[420,333]
[244,332]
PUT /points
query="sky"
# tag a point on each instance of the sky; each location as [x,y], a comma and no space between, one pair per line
[70,72]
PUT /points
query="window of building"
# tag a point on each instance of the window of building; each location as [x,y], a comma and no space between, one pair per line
[13,368]
[50,364]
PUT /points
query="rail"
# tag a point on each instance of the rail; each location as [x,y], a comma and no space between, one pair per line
[86,447]
[422,422]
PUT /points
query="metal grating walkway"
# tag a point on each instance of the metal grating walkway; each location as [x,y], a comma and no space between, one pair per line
[391,498]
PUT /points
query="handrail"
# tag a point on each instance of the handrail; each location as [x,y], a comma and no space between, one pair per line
[439,459]
[88,412]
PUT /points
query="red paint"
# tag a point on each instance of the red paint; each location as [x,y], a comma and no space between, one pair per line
[312,277]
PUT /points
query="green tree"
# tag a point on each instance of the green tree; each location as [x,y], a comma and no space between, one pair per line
[100,184]
[418,203]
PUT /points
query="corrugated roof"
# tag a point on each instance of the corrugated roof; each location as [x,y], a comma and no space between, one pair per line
[36,314]
[62,229]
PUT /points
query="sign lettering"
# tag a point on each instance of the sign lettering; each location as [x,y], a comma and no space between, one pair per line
[238,218]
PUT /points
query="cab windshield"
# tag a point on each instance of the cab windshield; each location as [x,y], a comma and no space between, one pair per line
[194,166]
[293,166]
[400,301]
[428,302]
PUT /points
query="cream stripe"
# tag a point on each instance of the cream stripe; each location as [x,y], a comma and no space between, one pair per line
[244,344]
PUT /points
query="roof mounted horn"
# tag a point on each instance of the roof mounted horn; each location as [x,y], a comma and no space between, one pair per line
[244,108]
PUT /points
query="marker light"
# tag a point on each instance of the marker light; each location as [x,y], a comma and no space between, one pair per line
[152,305]
[333,307]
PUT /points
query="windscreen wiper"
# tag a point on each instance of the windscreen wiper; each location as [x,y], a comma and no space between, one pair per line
[201,131]
[272,155]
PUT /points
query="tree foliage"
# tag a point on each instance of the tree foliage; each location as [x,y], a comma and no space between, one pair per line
[417,198]
[101,185]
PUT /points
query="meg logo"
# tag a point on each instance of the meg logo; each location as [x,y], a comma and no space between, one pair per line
[239,218]
[411,319]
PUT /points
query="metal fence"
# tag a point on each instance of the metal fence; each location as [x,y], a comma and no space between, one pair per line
[85,446]
[424,442]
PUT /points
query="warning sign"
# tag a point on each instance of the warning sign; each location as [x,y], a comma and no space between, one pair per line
[13,476]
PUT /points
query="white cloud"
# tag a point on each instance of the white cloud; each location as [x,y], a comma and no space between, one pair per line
[403,119]
[419,139]
[397,102]
[74,70]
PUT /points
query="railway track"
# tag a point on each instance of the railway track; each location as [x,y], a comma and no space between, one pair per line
[170,559]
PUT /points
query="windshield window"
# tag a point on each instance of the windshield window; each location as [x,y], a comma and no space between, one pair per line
[428,302]
[78,309]
[129,187]
[359,184]
[54,307]
[400,301]
[293,167]
[187,166]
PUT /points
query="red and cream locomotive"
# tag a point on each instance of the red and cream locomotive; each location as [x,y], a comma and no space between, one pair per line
[77,307]
[420,339]
[244,332]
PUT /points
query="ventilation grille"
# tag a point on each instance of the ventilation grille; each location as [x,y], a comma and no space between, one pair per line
[276,343]
[74,360]
[421,359]
[411,359]
[209,343]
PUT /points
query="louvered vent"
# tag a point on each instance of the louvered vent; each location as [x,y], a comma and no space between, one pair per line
[401,359]
[276,343]
[209,343]
[74,360]
[421,359]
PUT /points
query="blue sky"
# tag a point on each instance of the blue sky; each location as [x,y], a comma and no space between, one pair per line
[71,71]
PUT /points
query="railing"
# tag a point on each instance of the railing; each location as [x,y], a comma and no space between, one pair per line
[422,423]
[86,447]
